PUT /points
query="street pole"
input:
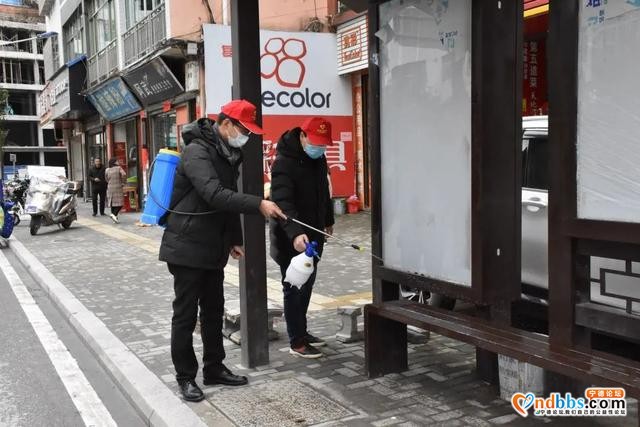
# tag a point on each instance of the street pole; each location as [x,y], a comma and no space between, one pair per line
[245,39]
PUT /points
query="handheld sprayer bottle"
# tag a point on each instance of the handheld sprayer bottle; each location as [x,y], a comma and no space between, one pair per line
[302,266]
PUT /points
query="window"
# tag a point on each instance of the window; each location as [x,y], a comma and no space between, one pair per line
[137,10]
[73,31]
[9,37]
[102,24]
[17,71]
[535,162]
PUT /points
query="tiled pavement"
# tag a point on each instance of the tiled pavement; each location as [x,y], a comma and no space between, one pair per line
[113,271]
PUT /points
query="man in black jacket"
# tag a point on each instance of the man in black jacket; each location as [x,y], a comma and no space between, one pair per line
[98,186]
[197,245]
[300,186]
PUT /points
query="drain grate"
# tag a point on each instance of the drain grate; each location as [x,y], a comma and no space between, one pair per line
[285,402]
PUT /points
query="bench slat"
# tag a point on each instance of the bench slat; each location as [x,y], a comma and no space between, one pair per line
[521,345]
[516,335]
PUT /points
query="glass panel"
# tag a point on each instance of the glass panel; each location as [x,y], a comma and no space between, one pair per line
[164,132]
[608,175]
[425,85]
[535,164]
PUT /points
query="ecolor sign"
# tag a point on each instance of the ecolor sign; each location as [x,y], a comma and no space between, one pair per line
[299,73]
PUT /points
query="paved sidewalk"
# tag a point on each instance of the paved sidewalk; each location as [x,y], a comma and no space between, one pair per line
[113,270]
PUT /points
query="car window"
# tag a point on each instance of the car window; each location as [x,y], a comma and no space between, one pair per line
[535,163]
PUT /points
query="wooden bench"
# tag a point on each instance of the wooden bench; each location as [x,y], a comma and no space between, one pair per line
[386,345]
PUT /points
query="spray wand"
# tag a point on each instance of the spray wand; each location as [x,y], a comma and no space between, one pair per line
[351,245]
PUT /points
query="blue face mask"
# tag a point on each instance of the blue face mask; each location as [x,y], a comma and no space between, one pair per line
[314,151]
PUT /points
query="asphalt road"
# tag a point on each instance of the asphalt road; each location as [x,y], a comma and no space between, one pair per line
[38,375]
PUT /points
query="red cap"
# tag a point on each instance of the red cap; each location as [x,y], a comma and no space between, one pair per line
[244,112]
[318,131]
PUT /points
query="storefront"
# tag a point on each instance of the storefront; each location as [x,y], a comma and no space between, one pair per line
[154,84]
[296,85]
[61,104]
[353,60]
[158,85]
[117,133]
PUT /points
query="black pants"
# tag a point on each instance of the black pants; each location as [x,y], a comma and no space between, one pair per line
[296,304]
[115,210]
[195,287]
[102,193]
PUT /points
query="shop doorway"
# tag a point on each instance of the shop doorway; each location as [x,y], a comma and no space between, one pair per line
[125,147]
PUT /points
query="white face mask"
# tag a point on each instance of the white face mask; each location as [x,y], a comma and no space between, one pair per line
[239,140]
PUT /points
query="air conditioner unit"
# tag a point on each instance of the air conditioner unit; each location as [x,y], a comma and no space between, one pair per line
[192,76]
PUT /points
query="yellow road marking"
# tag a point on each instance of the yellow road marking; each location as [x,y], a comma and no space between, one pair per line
[232,277]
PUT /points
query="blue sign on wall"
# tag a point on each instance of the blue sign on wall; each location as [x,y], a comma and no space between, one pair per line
[114,100]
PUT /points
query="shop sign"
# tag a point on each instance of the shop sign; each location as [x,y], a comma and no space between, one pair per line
[353,46]
[153,82]
[299,80]
[114,100]
[54,99]
[192,76]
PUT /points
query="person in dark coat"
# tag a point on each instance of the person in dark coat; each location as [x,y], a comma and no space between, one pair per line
[201,232]
[98,186]
[300,186]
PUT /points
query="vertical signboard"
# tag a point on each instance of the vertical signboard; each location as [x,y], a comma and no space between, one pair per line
[425,137]
[299,80]
[534,79]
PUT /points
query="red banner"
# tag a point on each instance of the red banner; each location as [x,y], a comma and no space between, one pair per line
[534,91]
[120,153]
[340,156]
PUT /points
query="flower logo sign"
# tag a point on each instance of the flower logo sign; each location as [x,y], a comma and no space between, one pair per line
[282,59]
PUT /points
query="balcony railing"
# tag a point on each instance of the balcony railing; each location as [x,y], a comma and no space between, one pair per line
[145,37]
[103,64]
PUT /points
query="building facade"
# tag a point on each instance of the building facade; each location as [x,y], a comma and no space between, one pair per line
[22,75]
[137,71]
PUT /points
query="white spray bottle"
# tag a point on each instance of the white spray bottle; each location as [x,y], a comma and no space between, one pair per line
[302,266]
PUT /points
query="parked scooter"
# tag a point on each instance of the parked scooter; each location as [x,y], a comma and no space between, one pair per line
[16,193]
[51,200]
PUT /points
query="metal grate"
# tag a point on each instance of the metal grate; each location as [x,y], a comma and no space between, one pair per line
[145,37]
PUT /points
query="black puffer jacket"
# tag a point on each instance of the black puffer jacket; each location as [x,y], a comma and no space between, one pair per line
[206,180]
[300,187]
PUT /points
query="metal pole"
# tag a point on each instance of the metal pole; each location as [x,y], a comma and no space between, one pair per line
[245,36]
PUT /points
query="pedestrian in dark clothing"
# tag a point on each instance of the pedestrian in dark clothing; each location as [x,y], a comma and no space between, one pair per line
[98,186]
[197,247]
[300,186]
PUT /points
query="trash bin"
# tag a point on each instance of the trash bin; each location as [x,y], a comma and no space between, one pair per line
[339,206]
[353,204]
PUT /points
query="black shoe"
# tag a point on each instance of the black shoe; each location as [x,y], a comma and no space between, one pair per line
[190,391]
[94,214]
[315,341]
[103,214]
[225,377]
[306,351]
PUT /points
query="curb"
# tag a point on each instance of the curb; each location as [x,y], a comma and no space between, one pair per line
[150,396]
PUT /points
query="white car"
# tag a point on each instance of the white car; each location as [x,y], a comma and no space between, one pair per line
[535,202]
